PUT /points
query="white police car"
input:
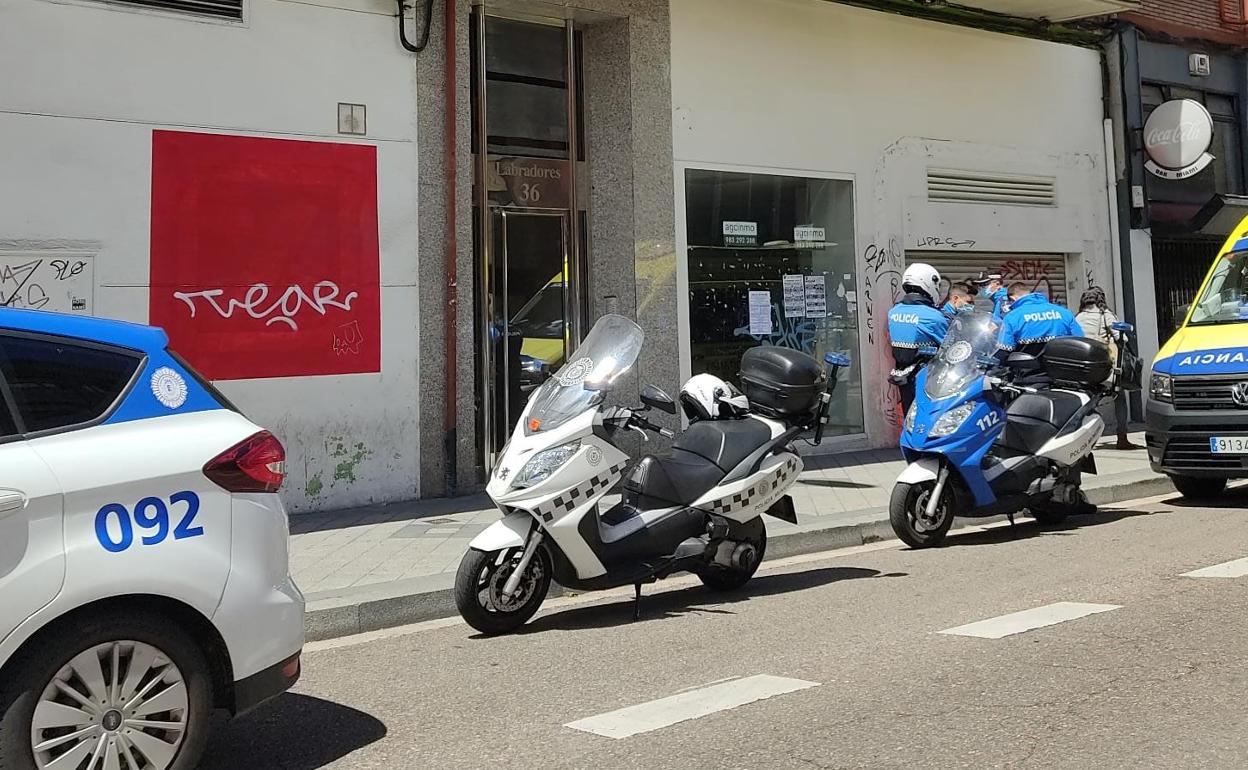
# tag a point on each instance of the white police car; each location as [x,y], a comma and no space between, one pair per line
[143,551]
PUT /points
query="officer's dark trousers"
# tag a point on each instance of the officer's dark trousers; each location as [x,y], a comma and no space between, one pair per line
[907,396]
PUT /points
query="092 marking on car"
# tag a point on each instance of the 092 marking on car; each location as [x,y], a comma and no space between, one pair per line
[150,514]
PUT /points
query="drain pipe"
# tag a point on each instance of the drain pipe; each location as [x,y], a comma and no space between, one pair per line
[451,441]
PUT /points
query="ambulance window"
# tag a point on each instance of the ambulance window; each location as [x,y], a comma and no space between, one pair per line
[1225,296]
[58,384]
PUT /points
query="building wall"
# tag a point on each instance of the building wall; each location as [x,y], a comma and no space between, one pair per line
[811,87]
[1196,19]
[92,84]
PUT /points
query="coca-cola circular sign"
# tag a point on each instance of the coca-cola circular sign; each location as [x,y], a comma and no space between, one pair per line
[1177,138]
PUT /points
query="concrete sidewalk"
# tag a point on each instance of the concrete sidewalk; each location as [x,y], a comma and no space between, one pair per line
[383,566]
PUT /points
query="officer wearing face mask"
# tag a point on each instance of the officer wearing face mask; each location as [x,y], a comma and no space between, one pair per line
[915,323]
[961,300]
[991,287]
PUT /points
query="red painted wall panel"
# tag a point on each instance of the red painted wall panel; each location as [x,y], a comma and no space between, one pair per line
[264,254]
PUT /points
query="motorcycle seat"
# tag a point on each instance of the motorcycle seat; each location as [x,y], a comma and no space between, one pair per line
[1034,419]
[726,443]
[678,478]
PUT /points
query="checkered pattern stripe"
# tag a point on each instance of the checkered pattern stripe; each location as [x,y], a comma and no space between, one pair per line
[742,500]
[1029,341]
[566,502]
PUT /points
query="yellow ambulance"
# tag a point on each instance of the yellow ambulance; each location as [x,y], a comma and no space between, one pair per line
[1197,408]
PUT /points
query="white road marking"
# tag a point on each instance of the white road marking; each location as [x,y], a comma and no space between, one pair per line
[1027,620]
[690,704]
[1230,569]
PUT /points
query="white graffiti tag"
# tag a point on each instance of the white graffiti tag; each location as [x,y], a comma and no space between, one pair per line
[283,310]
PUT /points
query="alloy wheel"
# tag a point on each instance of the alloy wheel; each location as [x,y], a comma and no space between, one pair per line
[117,706]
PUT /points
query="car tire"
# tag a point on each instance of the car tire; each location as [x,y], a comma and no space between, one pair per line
[153,648]
[1198,487]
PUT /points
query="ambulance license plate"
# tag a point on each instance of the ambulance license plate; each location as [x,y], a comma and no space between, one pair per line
[1229,445]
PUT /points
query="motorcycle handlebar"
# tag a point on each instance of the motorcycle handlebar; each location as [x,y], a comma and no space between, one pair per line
[642,422]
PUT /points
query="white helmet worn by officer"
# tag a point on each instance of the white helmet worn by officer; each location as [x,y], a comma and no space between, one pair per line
[707,397]
[923,278]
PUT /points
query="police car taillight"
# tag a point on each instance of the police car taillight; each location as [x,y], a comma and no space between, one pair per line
[255,465]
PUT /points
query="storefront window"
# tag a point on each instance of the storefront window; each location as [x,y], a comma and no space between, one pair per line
[771,262]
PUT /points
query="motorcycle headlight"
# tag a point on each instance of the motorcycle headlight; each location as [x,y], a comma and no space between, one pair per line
[951,420]
[544,463]
[910,418]
[1161,387]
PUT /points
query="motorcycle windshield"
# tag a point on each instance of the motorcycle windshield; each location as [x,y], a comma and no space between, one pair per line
[966,353]
[608,351]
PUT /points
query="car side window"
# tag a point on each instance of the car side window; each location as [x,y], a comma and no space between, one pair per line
[7,426]
[57,383]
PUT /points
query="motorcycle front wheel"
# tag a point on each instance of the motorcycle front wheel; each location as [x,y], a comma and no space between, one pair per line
[479,589]
[907,512]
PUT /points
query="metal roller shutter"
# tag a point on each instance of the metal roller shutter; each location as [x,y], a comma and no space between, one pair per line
[1041,272]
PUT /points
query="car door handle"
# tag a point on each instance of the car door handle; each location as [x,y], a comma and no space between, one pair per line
[11,501]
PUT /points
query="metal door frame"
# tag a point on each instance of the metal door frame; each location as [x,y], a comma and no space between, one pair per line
[574,280]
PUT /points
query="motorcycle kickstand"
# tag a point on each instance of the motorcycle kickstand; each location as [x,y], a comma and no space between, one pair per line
[1010,516]
[636,602]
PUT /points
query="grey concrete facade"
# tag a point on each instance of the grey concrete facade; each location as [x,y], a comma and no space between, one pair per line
[632,255]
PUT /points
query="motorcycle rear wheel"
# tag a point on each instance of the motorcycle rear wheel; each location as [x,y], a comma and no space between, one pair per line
[732,579]
[907,514]
[479,585]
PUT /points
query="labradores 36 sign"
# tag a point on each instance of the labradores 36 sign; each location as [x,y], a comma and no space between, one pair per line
[1177,138]
[538,183]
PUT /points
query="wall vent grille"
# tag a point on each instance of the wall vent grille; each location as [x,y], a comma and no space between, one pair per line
[955,186]
[217,9]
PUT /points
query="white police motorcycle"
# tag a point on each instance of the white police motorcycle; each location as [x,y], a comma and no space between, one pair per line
[696,508]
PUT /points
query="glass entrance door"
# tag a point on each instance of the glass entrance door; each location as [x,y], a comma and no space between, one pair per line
[530,312]
[530,236]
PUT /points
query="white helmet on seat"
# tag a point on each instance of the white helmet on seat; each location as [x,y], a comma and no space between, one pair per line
[707,397]
[923,278]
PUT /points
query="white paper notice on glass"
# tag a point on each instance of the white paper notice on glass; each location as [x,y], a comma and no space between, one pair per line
[760,313]
[816,296]
[794,296]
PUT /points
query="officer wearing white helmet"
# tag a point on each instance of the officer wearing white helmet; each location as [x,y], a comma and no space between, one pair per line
[915,323]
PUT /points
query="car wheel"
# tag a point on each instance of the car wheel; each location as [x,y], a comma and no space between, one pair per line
[126,690]
[1198,488]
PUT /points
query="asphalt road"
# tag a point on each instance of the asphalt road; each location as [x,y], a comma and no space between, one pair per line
[1158,682]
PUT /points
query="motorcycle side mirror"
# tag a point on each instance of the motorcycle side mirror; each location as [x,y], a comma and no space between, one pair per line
[1123,326]
[654,397]
[836,359]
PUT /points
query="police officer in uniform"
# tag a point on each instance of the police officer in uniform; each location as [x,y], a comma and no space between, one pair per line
[991,288]
[915,323]
[961,300]
[1032,321]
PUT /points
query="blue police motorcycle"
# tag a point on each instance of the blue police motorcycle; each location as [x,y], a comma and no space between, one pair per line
[980,441]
